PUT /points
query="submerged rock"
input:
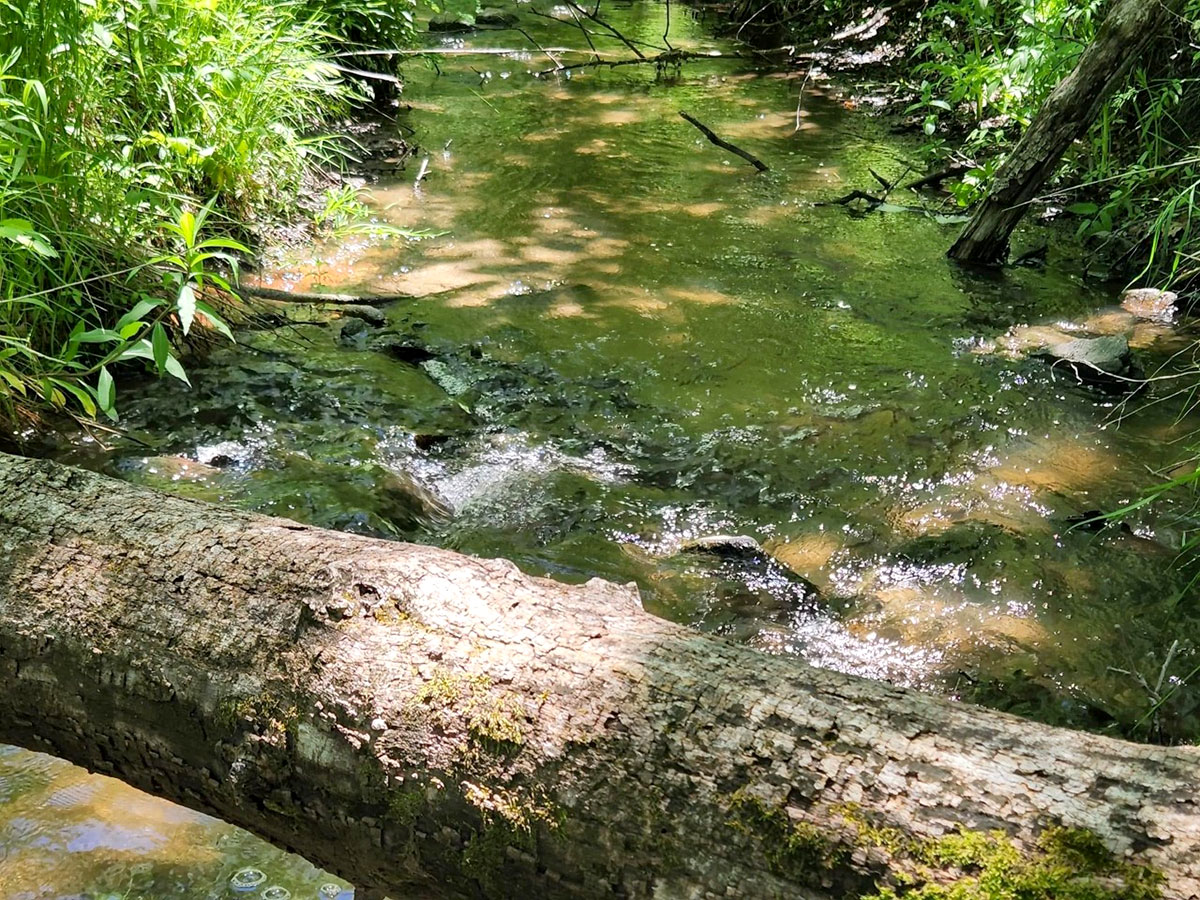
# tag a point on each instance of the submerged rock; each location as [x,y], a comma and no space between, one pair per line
[353,332]
[403,499]
[450,22]
[1150,303]
[744,560]
[725,546]
[1104,362]
[405,349]
[496,18]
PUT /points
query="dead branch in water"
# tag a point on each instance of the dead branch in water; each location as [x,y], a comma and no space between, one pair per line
[662,60]
[266,293]
[725,145]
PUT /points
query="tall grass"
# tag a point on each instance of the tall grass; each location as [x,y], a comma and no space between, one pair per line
[119,120]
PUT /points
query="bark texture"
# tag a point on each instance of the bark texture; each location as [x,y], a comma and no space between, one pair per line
[408,716]
[1065,116]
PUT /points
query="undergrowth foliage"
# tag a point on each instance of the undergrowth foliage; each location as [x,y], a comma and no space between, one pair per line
[988,65]
[126,126]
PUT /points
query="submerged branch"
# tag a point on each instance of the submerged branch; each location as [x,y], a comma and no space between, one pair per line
[266,293]
[725,145]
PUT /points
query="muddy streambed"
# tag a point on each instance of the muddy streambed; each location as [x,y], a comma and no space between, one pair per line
[624,341]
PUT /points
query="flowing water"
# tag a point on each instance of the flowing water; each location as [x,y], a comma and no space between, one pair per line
[622,340]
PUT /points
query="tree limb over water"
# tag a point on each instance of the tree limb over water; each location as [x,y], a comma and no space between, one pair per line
[275,294]
[404,715]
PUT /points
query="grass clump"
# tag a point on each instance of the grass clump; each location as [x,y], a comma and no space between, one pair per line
[137,137]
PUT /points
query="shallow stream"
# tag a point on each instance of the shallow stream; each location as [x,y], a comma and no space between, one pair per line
[624,339]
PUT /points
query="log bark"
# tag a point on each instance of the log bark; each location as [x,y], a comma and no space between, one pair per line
[404,715]
[1065,116]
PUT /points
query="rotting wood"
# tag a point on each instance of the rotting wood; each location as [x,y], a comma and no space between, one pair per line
[1064,117]
[266,293]
[405,715]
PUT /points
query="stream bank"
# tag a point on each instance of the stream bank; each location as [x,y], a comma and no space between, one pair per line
[624,341]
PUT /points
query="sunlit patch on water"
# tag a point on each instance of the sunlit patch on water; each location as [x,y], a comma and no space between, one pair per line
[503,478]
[827,643]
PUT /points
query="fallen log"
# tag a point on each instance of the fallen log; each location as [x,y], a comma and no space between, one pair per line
[1065,116]
[404,715]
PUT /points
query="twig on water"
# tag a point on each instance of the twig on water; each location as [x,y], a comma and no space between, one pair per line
[599,21]
[587,35]
[800,101]
[547,53]
[725,145]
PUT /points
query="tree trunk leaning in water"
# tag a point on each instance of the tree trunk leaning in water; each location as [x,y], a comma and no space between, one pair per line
[1064,117]
[404,715]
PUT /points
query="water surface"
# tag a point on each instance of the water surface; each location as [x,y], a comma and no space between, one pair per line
[625,339]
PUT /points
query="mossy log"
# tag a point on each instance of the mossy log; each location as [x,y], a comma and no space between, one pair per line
[1065,116]
[407,716]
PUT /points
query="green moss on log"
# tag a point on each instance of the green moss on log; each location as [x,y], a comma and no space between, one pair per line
[796,850]
[1063,864]
[495,719]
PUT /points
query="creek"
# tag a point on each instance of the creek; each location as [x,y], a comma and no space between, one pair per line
[622,339]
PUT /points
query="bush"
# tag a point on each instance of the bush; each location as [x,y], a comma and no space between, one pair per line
[116,118]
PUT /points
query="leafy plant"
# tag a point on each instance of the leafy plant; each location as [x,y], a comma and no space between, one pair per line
[115,115]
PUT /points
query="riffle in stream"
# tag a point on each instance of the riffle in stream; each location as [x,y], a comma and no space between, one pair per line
[624,340]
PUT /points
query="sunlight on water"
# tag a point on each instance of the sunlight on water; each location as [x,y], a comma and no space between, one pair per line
[623,340]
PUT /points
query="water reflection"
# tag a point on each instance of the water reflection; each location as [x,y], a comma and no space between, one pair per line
[67,834]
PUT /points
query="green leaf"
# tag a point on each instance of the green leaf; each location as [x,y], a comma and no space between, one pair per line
[99,336]
[161,347]
[187,229]
[21,232]
[1083,209]
[175,368]
[140,350]
[106,393]
[13,380]
[81,395]
[187,307]
[226,243]
[214,320]
[143,306]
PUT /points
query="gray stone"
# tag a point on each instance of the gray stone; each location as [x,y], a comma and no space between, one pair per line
[496,18]
[1101,362]
[451,22]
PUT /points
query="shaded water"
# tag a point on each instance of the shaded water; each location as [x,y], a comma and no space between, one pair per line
[626,339]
